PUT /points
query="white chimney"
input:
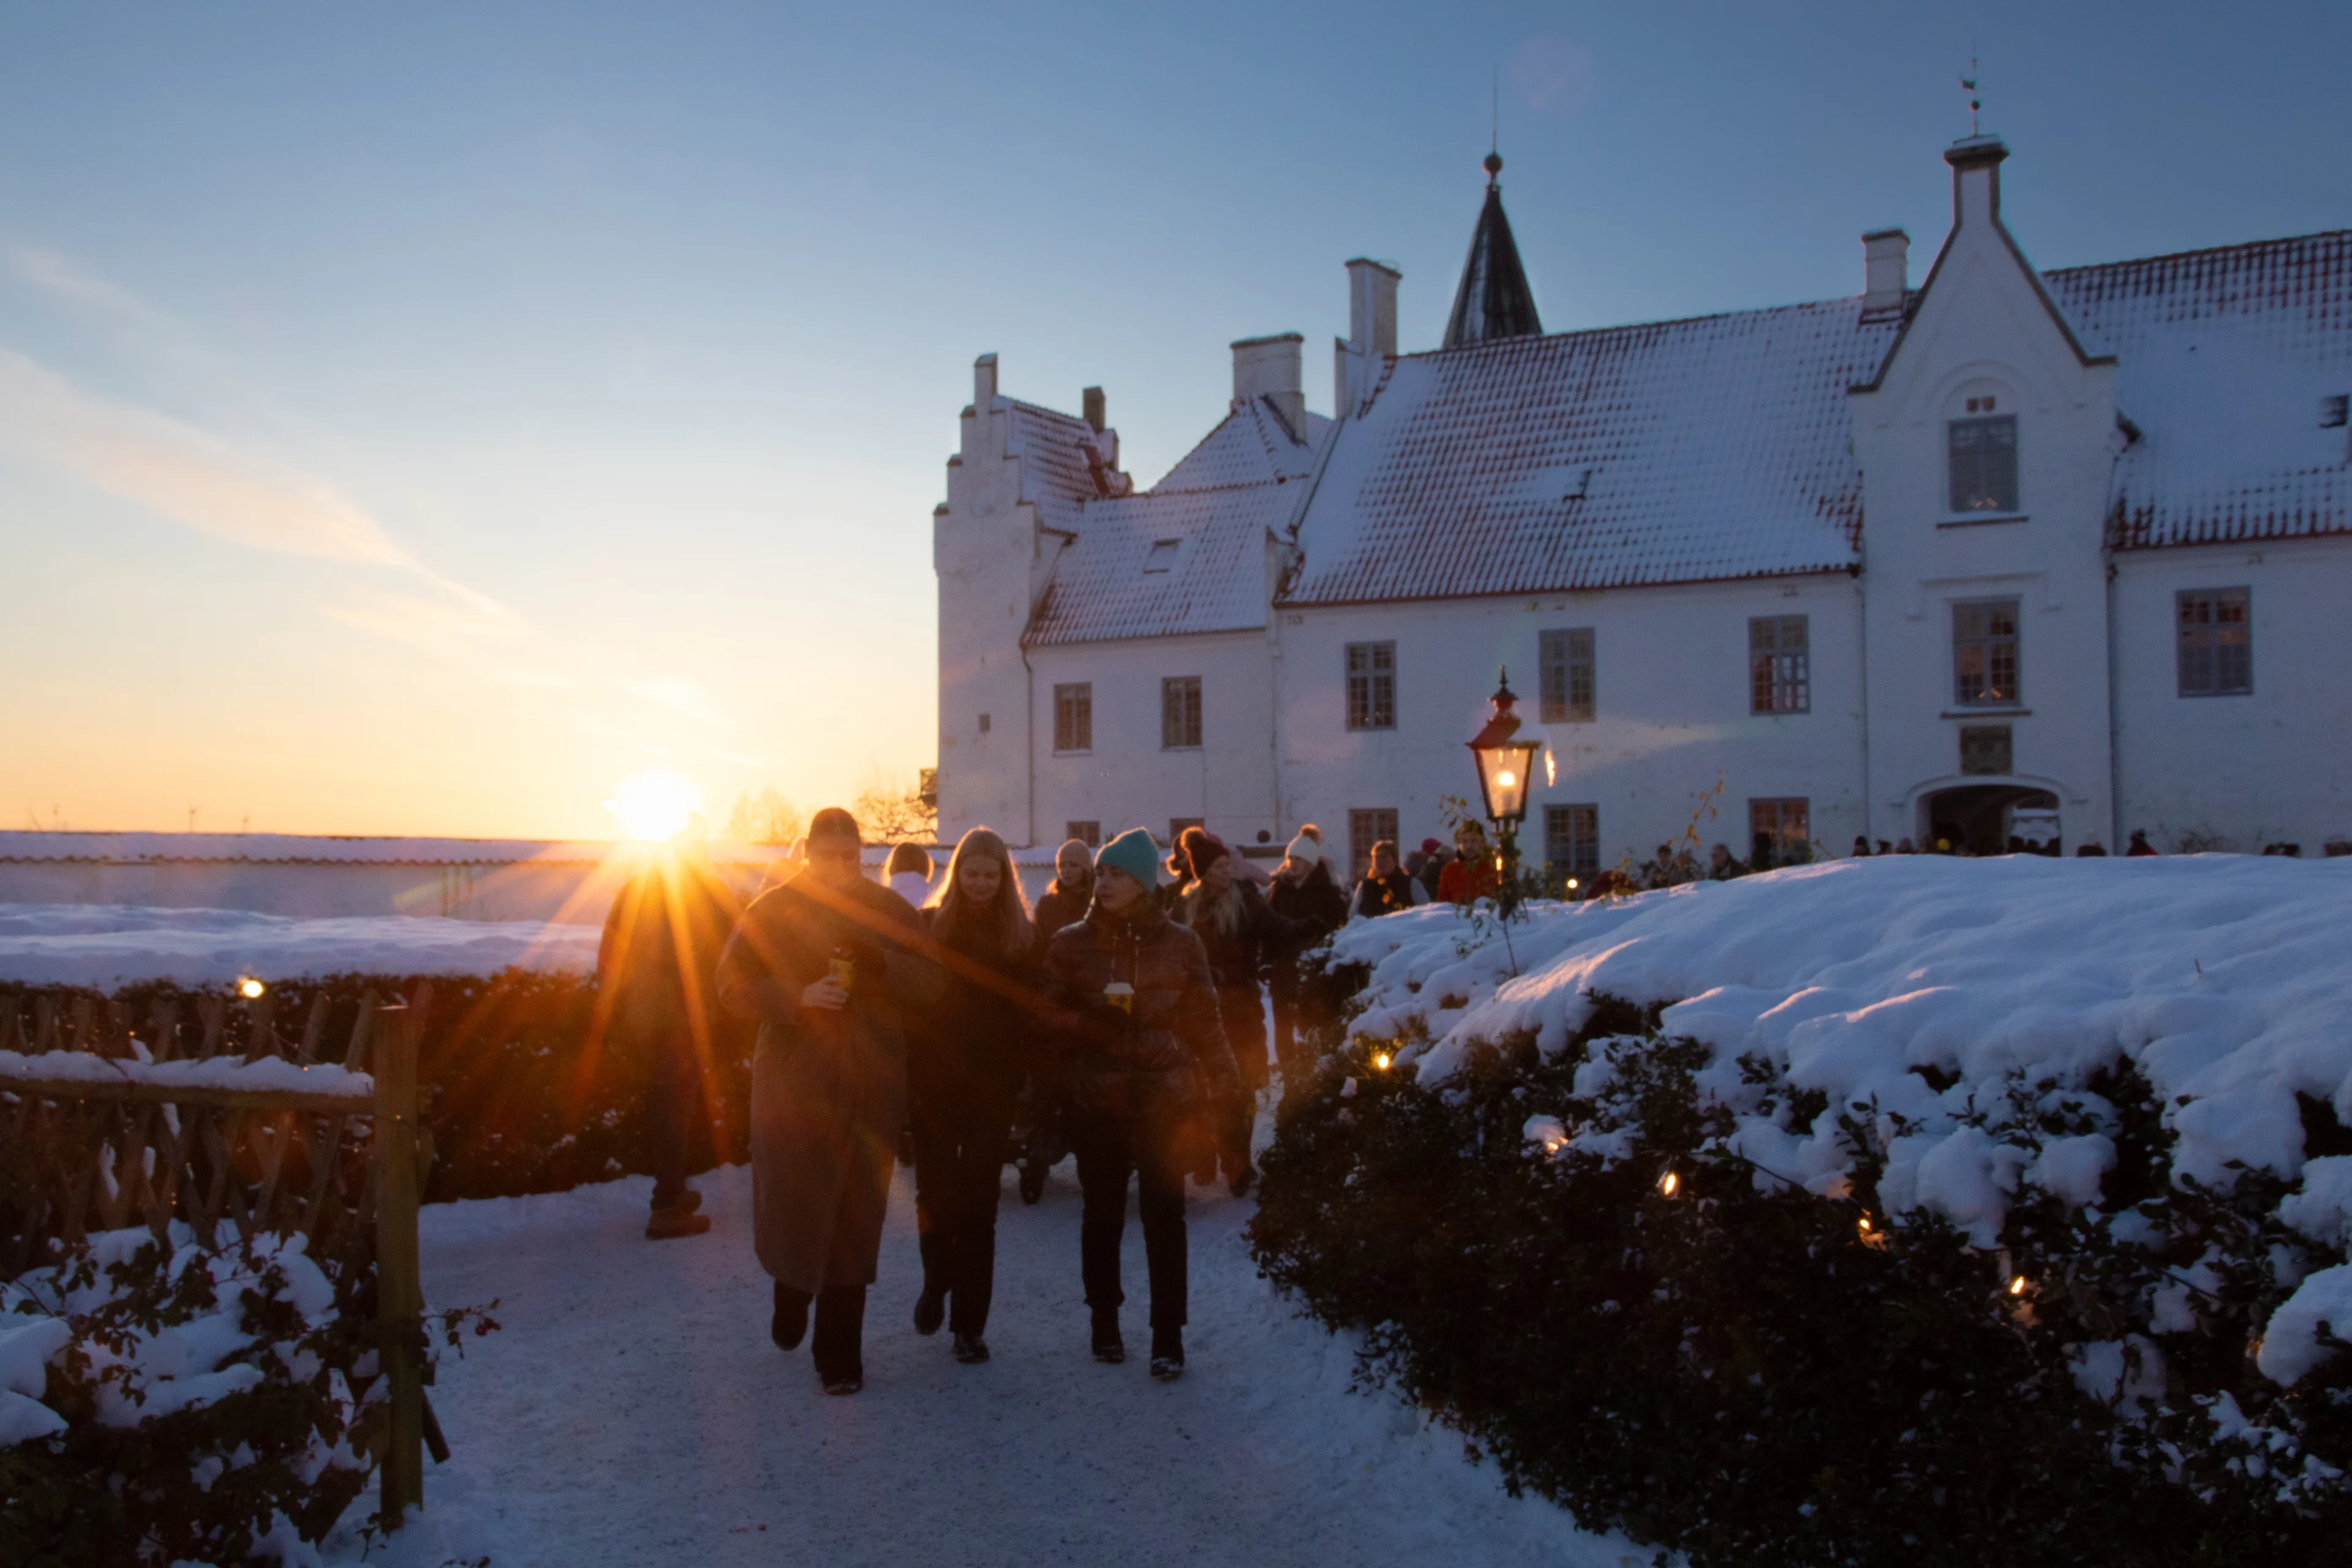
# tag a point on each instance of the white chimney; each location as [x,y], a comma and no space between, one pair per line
[1274,368]
[1885,271]
[983,382]
[1372,332]
[1976,179]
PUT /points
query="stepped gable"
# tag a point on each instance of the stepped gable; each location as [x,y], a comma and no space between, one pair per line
[2223,358]
[1493,300]
[1671,452]
[1054,474]
[1252,446]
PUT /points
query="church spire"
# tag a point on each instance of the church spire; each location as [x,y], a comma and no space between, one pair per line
[1494,300]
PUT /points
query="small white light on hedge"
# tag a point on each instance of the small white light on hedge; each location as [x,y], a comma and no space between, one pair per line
[1381,1061]
[1672,1181]
[2017,1286]
[249,987]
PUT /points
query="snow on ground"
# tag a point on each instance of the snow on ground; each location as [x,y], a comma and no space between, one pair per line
[107,945]
[2222,977]
[633,1411]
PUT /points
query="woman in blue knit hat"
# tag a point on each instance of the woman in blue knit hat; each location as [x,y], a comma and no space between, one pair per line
[1138,1012]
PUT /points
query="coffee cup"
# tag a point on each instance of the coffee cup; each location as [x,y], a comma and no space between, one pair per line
[1121,995]
[842,971]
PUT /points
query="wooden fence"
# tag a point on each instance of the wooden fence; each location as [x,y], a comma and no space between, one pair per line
[342,1163]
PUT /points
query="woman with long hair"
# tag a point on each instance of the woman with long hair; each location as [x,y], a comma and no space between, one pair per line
[1240,935]
[964,1072]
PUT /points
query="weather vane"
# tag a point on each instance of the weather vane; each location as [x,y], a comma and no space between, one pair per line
[1976,103]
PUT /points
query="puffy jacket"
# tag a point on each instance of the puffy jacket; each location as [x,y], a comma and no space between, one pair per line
[1172,1049]
[1058,906]
[1238,957]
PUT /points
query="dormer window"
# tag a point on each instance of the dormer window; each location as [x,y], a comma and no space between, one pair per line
[1983,455]
[1163,555]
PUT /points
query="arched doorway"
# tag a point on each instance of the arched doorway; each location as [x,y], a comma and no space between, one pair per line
[1983,817]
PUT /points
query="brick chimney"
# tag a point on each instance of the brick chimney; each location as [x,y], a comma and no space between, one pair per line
[1274,368]
[1886,272]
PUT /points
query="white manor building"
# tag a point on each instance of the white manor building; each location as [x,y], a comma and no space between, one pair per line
[1909,562]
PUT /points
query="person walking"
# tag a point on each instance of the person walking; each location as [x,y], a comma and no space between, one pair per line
[1242,935]
[964,1068]
[1470,875]
[2138,845]
[1042,1117]
[1721,867]
[1064,900]
[830,965]
[1385,889]
[1137,1008]
[1304,894]
[907,873]
[1432,867]
[656,967]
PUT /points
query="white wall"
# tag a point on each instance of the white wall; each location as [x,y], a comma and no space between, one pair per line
[2272,766]
[1126,780]
[1671,711]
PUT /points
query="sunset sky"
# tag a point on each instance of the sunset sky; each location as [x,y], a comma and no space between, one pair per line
[414,418]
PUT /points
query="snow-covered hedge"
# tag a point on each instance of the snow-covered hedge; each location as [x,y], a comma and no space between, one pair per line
[200,1400]
[1728,1166]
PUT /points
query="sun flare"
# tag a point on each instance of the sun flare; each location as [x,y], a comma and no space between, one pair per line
[652,806]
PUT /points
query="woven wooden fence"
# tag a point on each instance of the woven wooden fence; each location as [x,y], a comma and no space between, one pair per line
[163,1134]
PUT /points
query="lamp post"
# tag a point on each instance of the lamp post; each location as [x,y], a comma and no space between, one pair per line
[1504,761]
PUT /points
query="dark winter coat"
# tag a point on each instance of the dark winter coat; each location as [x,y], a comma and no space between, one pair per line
[1171,1053]
[976,1043]
[1237,958]
[1384,895]
[828,1088]
[1059,906]
[658,960]
[1316,907]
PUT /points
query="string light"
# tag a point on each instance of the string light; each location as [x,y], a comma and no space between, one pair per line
[249,987]
[1864,1222]
[2017,1286]
[1667,1187]
[1381,1061]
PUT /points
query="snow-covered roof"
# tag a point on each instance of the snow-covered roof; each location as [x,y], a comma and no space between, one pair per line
[1674,452]
[1163,564]
[2222,358]
[1055,477]
[1251,446]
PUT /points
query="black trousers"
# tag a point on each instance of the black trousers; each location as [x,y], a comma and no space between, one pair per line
[1110,1149]
[960,1146]
[674,1105]
[837,1340]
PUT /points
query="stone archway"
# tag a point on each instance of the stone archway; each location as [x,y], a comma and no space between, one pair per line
[1977,816]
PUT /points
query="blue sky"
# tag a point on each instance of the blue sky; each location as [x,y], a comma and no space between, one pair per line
[413,418]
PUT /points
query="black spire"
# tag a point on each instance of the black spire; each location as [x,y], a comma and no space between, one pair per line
[1494,300]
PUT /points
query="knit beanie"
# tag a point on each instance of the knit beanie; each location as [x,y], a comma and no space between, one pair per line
[1304,850]
[1134,853]
[1198,849]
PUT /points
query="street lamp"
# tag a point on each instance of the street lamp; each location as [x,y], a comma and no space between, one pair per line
[1504,762]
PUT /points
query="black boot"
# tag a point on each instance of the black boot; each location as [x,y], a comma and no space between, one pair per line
[930,1311]
[789,1327]
[1166,1354]
[971,1349]
[1109,1347]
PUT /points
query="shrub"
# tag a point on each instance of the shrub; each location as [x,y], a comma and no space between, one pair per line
[1556,1256]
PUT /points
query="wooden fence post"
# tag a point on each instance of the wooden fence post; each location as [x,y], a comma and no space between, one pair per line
[400,1296]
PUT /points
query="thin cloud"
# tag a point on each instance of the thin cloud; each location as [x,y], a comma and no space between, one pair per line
[181,472]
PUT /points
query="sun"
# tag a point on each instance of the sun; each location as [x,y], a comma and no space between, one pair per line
[652,806]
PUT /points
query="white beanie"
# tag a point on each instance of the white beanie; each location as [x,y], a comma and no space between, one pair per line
[1303,849]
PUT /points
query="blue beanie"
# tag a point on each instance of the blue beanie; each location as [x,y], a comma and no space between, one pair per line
[1134,853]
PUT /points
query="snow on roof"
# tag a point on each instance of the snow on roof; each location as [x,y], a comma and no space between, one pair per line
[1055,475]
[2222,358]
[1118,579]
[1674,452]
[1251,446]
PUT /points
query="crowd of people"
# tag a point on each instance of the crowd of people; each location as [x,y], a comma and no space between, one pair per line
[1120,1020]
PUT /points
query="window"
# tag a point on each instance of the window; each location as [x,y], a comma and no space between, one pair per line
[1074,718]
[1371,686]
[1566,658]
[1983,455]
[1572,839]
[1086,833]
[1177,825]
[1366,828]
[1163,555]
[1180,712]
[1783,829]
[2217,651]
[1984,654]
[1779,679]
[1986,748]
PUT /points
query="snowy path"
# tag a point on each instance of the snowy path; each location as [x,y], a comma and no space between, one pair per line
[632,1412]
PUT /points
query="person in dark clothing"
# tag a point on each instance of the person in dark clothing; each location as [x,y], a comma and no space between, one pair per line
[1064,900]
[832,966]
[1385,889]
[1432,867]
[2140,843]
[655,970]
[1304,894]
[1861,848]
[1242,935]
[1137,1008]
[1721,867]
[964,1068]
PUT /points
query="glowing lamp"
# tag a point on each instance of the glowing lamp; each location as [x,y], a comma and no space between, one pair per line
[250,988]
[1672,1181]
[1381,1061]
[1505,761]
[2017,1286]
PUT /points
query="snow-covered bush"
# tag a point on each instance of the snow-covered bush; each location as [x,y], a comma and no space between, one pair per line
[192,1400]
[1909,1207]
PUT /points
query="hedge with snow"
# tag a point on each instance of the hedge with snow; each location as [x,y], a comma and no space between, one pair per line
[2095,1108]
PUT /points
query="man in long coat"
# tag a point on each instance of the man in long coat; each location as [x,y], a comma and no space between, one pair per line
[832,966]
